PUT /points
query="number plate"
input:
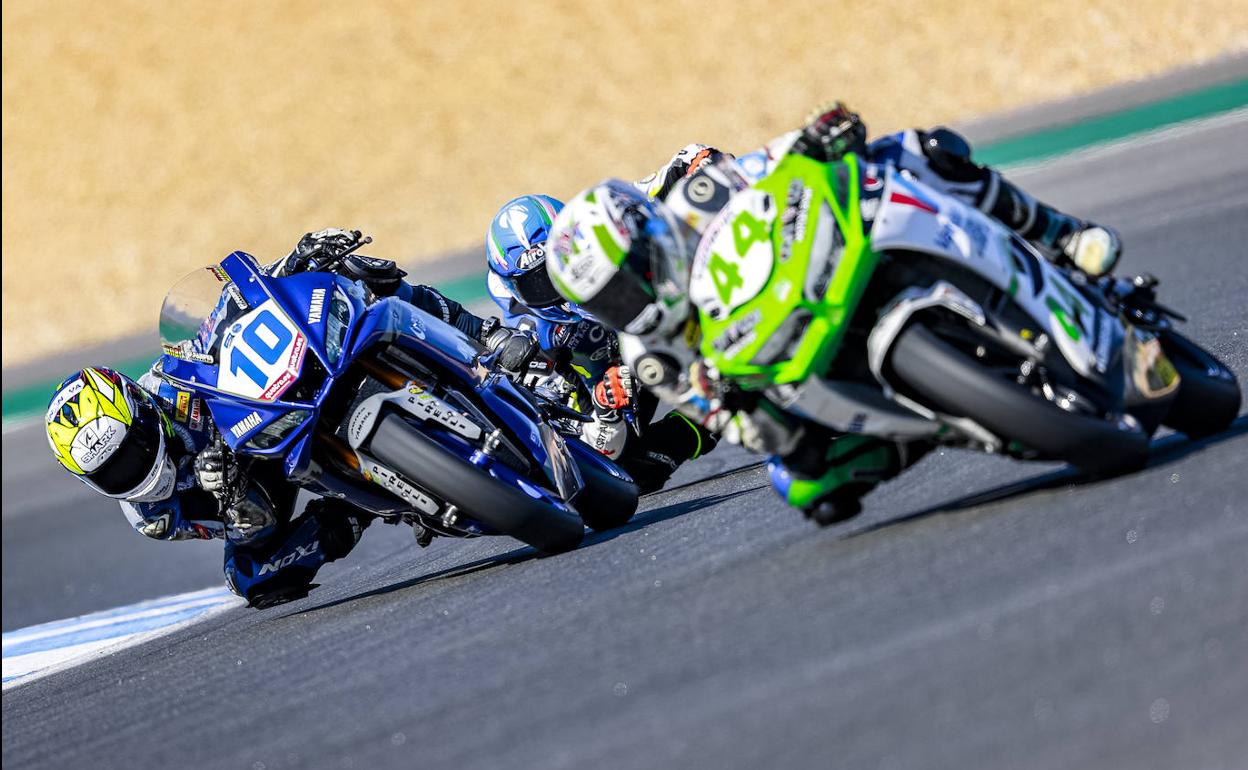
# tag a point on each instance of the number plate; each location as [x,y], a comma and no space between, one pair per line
[735,257]
[261,354]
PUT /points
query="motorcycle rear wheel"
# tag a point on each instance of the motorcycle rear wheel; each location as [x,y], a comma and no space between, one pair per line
[956,383]
[403,447]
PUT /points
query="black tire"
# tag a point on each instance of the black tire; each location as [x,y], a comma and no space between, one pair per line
[605,502]
[402,447]
[955,383]
[1209,397]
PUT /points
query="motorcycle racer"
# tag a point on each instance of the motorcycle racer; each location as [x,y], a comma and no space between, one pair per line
[581,351]
[154,447]
[627,260]
[941,158]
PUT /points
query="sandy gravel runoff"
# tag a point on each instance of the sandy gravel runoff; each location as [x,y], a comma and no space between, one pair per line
[145,138]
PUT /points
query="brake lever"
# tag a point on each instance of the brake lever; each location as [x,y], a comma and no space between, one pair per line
[552,409]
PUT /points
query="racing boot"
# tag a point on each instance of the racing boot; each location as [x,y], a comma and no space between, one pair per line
[664,447]
[1090,247]
[826,480]
[1068,241]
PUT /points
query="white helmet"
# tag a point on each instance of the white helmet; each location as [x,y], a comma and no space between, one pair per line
[624,258]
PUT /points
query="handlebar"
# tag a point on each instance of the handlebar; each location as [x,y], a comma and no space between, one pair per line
[309,263]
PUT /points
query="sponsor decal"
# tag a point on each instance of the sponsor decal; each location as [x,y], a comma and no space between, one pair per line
[418,327]
[236,295]
[185,352]
[793,220]
[738,334]
[361,420]
[182,410]
[978,235]
[1104,335]
[316,307]
[300,552]
[231,334]
[916,199]
[296,352]
[532,256]
[906,200]
[388,479]
[247,423]
[92,444]
[279,386]
[70,393]
[197,414]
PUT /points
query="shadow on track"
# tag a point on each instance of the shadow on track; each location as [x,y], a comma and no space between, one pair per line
[1162,452]
[667,512]
[480,565]
[703,480]
[526,553]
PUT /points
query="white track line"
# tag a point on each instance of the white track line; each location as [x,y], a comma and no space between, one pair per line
[34,652]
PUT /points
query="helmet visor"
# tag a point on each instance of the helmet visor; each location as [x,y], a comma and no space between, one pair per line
[140,452]
[533,287]
[626,297]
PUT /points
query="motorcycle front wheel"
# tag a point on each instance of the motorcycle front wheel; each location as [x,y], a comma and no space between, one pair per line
[503,507]
[1209,397]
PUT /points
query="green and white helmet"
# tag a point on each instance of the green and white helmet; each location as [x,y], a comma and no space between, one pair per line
[624,258]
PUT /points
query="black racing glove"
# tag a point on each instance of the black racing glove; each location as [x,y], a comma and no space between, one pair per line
[215,470]
[831,133]
[514,348]
[250,517]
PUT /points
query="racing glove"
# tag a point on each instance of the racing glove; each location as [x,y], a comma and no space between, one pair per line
[250,518]
[615,389]
[215,472]
[514,348]
[830,133]
[330,241]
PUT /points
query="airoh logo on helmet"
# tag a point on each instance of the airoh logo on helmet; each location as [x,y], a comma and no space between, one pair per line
[532,256]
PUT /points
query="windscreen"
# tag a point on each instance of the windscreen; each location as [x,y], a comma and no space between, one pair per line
[195,310]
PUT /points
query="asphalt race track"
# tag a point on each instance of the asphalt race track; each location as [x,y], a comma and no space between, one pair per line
[980,612]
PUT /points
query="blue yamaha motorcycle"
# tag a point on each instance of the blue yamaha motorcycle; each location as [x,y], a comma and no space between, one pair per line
[381,404]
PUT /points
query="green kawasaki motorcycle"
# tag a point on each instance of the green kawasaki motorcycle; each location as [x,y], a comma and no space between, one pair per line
[880,306]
